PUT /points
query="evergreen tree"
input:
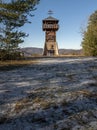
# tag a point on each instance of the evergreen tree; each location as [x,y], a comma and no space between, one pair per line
[13,15]
[89,42]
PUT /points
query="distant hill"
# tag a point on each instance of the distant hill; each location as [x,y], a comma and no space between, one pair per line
[70,52]
[28,51]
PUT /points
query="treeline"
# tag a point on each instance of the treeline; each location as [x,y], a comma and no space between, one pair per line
[89,43]
[13,15]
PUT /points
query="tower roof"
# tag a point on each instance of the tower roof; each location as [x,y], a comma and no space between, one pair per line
[50,18]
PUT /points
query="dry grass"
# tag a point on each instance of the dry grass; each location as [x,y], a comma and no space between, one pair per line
[9,65]
[71,55]
[17,62]
[21,104]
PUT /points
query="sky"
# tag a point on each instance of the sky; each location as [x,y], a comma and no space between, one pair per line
[73,16]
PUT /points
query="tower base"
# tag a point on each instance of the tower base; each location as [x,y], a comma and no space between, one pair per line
[50,49]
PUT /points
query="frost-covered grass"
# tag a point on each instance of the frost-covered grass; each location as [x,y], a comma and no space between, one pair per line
[51,94]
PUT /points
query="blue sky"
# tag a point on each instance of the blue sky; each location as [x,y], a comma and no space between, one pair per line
[73,16]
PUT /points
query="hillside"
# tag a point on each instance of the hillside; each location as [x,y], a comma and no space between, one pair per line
[28,51]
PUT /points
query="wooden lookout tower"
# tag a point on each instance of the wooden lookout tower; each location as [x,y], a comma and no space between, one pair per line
[50,26]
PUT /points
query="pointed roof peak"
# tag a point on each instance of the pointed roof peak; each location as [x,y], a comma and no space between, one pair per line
[51,18]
